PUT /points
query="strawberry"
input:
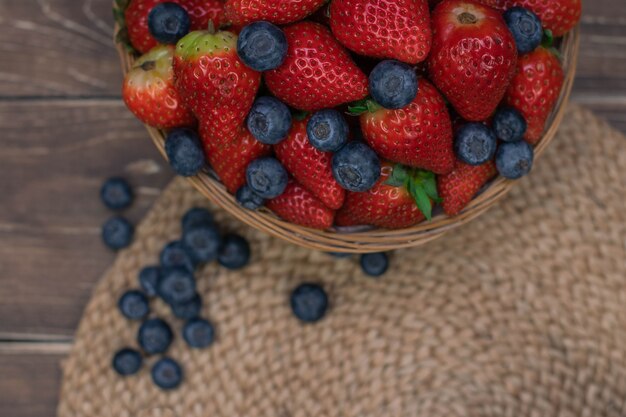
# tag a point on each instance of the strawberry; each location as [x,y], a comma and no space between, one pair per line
[136,16]
[397,29]
[393,202]
[473,57]
[318,73]
[150,94]
[311,167]
[299,206]
[419,135]
[201,12]
[558,16]
[460,186]
[280,12]
[230,158]
[215,83]
[535,89]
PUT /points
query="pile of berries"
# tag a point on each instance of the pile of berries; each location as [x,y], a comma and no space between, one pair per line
[348,112]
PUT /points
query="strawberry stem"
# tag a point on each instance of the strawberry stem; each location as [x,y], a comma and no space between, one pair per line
[211,27]
[466,18]
[148,66]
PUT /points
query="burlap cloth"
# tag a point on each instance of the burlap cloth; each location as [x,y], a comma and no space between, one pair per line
[520,313]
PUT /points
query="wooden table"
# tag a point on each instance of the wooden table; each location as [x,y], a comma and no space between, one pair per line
[64,129]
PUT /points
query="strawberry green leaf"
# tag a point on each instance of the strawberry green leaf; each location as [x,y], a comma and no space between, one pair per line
[362,106]
[300,115]
[548,39]
[421,199]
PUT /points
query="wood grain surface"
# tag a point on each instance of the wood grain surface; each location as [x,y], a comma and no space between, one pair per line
[64,129]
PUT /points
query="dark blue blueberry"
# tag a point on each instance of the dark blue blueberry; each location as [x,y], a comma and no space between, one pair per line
[198,333]
[177,285]
[475,143]
[309,302]
[197,216]
[525,27]
[177,254]
[267,177]
[249,199]
[509,124]
[203,243]
[374,264]
[168,23]
[116,194]
[269,120]
[514,159]
[356,167]
[154,336]
[149,279]
[127,362]
[188,310]
[393,84]
[235,252]
[262,46]
[340,255]
[167,374]
[327,130]
[134,305]
[184,151]
[117,233]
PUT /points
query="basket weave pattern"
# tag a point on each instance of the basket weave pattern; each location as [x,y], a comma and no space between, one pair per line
[373,240]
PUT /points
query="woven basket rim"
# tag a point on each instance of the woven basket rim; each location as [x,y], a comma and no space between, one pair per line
[374,240]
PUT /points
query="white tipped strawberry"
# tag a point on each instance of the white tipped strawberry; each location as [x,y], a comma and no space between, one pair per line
[150,94]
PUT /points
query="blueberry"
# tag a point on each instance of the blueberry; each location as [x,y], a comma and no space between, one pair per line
[168,23]
[374,264]
[475,144]
[269,120]
[356,167]
[184,151]
[198,333]
[267,177]
[197,216]
[134,305]
[235,252]
[262,46]
[154,336]
[167,374]
[525,27]
[188,310]
[177,254]
[327,130]
[203,243]
[309,302]
[127,362]
[509,124]
[514,159]
[393,84]
[149,279]
[116,194]
[249,199]
[177,285]
[117,233]
[340,255]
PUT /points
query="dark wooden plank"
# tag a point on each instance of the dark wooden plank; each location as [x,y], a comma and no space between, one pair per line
[29,385]
[57,48]
[51,168]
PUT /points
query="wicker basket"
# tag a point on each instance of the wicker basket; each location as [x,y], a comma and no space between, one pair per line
[374,240]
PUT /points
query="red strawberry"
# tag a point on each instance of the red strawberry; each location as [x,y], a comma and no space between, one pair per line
[419,135]
[230,158]
[201,12]
[389,204]
[311,167]
[535,89]
[136,16]
[150,94]
[280,12]
[460,186]
[216,85]
[299,206]
[559,16]
[473,57]
[318,73]
[397,29]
